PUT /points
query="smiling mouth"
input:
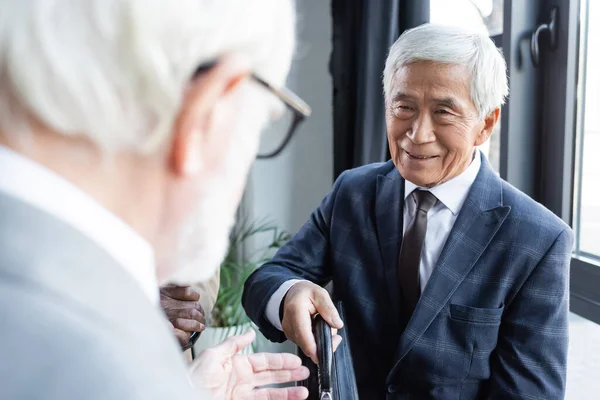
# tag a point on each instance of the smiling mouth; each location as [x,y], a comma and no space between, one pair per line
[419,157]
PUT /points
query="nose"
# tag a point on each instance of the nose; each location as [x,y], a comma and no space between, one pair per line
[421,131]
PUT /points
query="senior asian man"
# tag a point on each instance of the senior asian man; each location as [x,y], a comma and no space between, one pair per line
[127,129]
[455,283]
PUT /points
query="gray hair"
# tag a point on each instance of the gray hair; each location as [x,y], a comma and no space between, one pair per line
[115,71]
[449,45]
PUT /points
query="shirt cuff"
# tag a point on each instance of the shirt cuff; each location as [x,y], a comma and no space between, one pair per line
[272,310]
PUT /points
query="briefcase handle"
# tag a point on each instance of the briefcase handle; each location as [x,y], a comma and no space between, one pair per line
[335,370]
[322,332]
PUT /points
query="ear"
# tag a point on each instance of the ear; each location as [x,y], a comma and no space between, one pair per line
[193,134]
[489,123]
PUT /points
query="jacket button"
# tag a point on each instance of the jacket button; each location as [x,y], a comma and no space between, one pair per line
[392,389]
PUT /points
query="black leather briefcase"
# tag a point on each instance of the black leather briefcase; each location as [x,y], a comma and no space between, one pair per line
[333,378]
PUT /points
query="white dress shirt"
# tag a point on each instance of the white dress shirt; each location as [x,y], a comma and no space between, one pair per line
[40,187]
[451,196]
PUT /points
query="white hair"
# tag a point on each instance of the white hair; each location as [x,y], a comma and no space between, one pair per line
[115,71]
[451,45]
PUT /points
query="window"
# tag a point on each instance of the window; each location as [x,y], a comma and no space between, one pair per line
[481,15]
[567,165]
[586,198]
[550,134]
[484,16]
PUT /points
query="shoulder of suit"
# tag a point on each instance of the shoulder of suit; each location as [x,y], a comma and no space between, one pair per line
[529,210]
[366,173]
[58,352]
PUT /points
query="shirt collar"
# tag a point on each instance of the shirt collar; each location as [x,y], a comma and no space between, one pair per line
[38,186]
[454,192]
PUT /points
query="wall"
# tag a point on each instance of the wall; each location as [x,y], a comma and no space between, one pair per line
[288,188]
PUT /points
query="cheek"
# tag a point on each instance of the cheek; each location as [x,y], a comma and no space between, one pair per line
[184,196]
[238,176]
[239,157]
[453,141]
[181,199]
[396,131]
[223,136]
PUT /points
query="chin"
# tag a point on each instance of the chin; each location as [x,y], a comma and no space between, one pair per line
[418,181]
[416,177]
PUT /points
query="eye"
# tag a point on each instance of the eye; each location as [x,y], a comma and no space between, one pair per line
[442,112]
[402,108]
[403,111]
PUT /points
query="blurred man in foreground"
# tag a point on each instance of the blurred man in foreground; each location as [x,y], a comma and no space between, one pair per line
[127,129]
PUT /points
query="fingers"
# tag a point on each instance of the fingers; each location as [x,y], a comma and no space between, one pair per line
[336,341]
[188,313]
[188,320]
[184,293]
[292,393]
[271,368]
[182,337]
[302,302]
[298,328]
[324,305]
[188,325]
[271,361]
[281,376]
[235,344]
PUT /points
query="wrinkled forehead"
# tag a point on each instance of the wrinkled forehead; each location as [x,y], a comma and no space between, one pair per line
[432,80]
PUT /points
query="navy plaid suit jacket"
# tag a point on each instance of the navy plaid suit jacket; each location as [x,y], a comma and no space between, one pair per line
[491,322]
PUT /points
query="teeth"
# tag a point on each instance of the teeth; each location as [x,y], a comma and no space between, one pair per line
[419,157]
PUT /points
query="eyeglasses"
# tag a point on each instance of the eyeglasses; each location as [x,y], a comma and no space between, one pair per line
[277,137]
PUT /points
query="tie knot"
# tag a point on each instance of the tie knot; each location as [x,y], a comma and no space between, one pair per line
[425,200]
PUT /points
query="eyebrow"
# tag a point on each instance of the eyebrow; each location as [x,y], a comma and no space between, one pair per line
[447,101]
[402,96]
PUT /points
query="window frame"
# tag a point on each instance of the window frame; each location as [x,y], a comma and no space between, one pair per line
[538,148]
[585,271]
[539,124]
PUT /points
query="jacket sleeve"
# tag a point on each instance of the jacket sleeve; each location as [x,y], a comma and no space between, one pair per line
[305,256]
[530,361]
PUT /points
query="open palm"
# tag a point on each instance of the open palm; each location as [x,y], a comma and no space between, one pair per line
[231,376]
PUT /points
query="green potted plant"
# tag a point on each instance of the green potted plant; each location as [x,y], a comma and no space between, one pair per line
[228,316]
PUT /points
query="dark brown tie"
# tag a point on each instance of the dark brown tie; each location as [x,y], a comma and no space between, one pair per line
[410,253]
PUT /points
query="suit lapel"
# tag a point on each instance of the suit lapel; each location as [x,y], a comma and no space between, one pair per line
[389,208]
[478,221]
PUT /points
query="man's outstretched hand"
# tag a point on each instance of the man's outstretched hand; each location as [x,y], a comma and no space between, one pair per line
[231,376]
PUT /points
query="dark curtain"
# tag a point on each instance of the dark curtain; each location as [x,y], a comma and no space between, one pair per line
[363,31]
